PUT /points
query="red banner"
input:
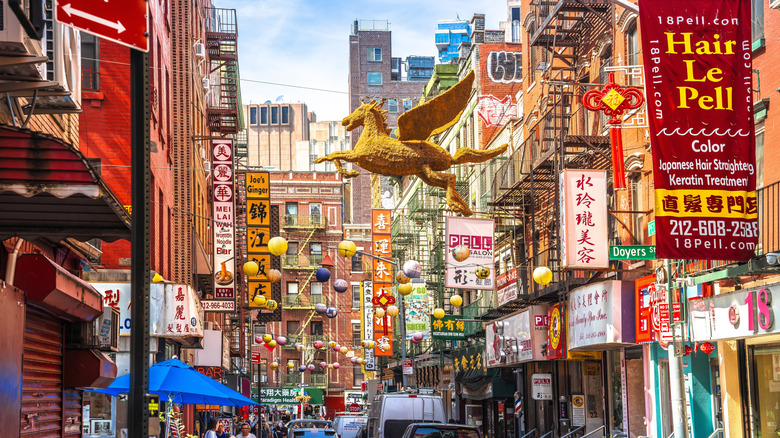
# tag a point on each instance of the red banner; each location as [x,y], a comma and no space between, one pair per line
[698,82]
[556,332]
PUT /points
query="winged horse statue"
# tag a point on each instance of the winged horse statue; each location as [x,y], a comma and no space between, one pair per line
[410,153]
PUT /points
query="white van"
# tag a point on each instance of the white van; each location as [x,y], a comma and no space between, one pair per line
[347,426]
[391,413]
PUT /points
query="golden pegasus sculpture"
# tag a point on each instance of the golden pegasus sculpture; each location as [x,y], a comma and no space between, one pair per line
[410,153]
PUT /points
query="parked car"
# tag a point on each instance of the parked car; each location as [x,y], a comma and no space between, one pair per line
[435,430]
[390,414]
[310,429]
[347,426]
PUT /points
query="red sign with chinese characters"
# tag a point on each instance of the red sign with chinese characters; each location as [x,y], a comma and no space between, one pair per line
[698,82]
[556,332]
[383,276]
[644,289]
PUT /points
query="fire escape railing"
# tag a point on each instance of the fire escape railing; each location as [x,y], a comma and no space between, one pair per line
[222,47]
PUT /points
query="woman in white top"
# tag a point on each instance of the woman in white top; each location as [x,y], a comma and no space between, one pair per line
[211,429]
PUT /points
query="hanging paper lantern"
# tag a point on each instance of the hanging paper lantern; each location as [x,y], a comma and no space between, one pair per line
[251,268]
[311,367]
[419,336]
[367,344]
[331,312]
[267,337]
[336,365]
[258,339]
[343,350]
[318,344]
[405,289]
[290,365]
[402,278]
[688,350]
[320,308]
[274,275]
[259,300]
[456,300]
[330,366]
[438,313]
[482,271]
[347,248]
[386,347]
[543,275]
[337,348]
[332,344]
[323,365]
[302,368]
[281,340]
[274,365]
[379,312]
[412,269]
[340,285]
[299,346]
[392,310]
[461,252]
[353,359]
[415,340]
[271,343]
[322,275]
[360,361]
[277,245]
[364,343]
[271,305]
[707,347]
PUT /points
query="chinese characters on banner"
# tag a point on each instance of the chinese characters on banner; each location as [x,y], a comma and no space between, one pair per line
[450,327]
[367,324]
[477,235]
[600,314]
[701,129]
[468,362]
[383,275]
[506,287]
[258,232]
[224,227]
[417,310]
[584,243]
[556,332]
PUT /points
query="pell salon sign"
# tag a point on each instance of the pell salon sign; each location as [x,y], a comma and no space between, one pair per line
[698,81]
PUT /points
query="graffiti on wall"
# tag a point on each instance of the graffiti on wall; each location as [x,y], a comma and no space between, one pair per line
[494,111]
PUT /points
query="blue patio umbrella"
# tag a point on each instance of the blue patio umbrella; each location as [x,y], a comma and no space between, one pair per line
[174,380]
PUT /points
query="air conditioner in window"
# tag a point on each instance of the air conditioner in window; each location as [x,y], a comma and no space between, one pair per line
[200,50]
[12,30]
[206,83]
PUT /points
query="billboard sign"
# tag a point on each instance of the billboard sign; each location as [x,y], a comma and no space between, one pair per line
[417,311]
[477,235]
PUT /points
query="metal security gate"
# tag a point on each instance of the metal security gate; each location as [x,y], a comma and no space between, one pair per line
[41,414]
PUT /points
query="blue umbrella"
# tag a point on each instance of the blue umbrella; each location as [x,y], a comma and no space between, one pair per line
[174,380]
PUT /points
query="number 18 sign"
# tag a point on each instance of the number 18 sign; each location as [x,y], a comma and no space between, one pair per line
[736,314]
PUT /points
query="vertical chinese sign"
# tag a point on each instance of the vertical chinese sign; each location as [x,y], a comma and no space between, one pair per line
[367,324]
[477,235]
[382,276]
[698,80]
[258,232]
[584,243]
[224,228]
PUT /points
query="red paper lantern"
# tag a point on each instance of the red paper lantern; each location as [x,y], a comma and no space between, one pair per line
[688,350]
[707,347]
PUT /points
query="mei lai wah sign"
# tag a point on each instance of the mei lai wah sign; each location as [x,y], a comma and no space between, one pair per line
[697,58]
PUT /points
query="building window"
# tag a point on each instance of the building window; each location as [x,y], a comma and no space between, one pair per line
[316,328]
[532,57]
[374,54]
[292,248]
[293,327]
[316,289]
[356,296]
[291,208]
[315,209]
[253,115]
[315,248]
[274,115]
[264,115]
[356,335]
[760,155]
[392,105]
[285,115]
[408,104]
[357,263]
[357,377]
[374,78]
[757,12]
[90,62]
[632,49]
[292,288]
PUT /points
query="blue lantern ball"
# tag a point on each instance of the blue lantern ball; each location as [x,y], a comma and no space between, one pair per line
[302,368]
[332,312]
[322,275]
[320,308]
[340,285]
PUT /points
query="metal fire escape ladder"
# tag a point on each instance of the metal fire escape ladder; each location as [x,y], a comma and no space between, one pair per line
[222,47]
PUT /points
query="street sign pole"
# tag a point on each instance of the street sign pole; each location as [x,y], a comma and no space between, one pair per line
[138,418]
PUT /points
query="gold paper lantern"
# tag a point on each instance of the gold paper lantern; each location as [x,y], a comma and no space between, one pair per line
[379,312]
[274,365]
[461,253]
[271,305]
[274,275]
[290,365]
[360,361]
[331,344]
[482,272]
[251,268]
[438,313]
[405,289]
[543,275]
[271,343]
[267,338]
[456,300]
[347,248]
[392,310]
[402,278]
[259,300]
[386,347]
[277,245]
[343,350]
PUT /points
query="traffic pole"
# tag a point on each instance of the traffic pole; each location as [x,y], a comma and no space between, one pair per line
[675,349]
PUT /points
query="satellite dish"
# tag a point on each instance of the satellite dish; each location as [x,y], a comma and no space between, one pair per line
[281,99]
[267,102]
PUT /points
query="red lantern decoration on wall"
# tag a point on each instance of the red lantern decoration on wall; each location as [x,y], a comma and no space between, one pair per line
[707,347]
[688,349]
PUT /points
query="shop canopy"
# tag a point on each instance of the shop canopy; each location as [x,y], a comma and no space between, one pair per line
[174,380]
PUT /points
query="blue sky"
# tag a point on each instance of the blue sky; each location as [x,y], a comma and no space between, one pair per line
[305,43]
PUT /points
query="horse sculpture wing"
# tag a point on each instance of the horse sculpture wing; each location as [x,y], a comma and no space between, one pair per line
[436,115]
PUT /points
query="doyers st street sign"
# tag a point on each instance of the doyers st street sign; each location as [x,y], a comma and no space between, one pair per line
[632,252]
[121,21]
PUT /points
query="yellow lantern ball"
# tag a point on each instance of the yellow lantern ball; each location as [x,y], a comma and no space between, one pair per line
[386,347]
[330,366]
[482,272]
[543,275]
[272,343]
[274,275]
[259,300]
[438,313]
[347,248]
[290,365]
[343,350]
[405,289]
[456,300]
[360,361]
[402,278]
[277,245]
[271,305]
[379,312]
[332,344]
[274,365]
[392,310]
[251,268]
[267,338]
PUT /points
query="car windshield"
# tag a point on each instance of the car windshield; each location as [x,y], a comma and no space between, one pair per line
[445,432]
[309,424]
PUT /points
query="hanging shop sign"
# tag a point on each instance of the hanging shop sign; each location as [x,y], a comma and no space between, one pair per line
[643,288]
[417,311]
[117,296]
[506,287]
[556,332]
[280,396]
[698,82]
[595,315]
[383,276]
[541,387]
[468,362]
[734,315]
[179,312]
[223,199]
[584,243]
[517,338]
[367,324]
[477,236]
[450,327]
[258,233]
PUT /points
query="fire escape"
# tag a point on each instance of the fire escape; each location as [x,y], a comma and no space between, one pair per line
[224,106]
[565,136]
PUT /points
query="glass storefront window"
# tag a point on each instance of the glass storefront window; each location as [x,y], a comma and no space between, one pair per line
[98,408]
[766,384]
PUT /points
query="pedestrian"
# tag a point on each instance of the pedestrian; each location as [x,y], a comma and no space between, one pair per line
[211,429]
[221,430]
[265,431]
[245,433]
